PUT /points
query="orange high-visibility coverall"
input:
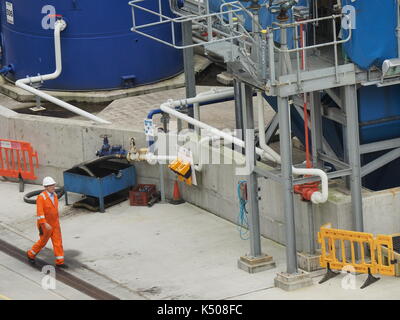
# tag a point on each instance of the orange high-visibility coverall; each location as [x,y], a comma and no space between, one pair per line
[47,212]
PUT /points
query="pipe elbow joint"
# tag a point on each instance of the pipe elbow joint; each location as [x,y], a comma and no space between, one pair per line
[151,159]
[61,23]
[317,198]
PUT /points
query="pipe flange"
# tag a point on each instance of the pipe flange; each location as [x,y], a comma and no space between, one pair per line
[62,23]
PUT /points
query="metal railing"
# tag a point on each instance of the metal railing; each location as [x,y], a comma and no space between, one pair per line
[256,50]
[206,21]
[282,27]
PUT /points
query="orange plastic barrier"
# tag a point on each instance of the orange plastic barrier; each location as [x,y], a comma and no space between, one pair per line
[16,159]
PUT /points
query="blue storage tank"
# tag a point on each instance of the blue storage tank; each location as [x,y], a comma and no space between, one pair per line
[379,113]
[98,48]
[379,116]
[374,38]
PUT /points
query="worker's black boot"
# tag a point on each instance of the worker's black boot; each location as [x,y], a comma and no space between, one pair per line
[30,260]
[62,266]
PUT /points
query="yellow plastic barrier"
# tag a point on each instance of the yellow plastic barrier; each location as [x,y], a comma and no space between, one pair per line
[333,253]
[183,170]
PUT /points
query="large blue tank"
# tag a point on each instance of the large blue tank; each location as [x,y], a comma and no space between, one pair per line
[374,37]
[379,113]
[98,48]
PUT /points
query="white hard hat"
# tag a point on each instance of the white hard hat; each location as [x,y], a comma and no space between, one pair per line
[48,181]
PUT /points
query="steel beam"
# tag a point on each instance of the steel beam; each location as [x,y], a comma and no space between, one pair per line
[316,128]
[272,128]
[269,174]
[335,97]
[380,162]
[337,163]
[254,218]
[188,62]
[380,145]
[321,79]
[334,114]
[287,185]
[238,109]
[353,145]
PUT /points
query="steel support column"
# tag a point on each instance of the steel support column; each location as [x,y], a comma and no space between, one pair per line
[188,62]
[316,128]
[353,151]
[287,185]
[238,109]
[252,184]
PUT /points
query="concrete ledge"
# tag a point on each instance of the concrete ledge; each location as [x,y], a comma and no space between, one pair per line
[290,282]
[256,264]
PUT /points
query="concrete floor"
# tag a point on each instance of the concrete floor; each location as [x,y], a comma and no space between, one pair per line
[130,112]
[164,252]
[19,281]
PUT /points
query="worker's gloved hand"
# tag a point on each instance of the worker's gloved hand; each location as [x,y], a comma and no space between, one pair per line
[44,227]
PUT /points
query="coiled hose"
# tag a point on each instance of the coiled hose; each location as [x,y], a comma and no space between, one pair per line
[27,197]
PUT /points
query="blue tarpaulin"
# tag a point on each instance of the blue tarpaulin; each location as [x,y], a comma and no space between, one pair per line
[374,37]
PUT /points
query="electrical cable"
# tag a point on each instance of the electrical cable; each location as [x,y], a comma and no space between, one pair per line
[242,221]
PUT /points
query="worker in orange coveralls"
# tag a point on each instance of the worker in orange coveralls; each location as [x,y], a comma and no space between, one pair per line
[48,223]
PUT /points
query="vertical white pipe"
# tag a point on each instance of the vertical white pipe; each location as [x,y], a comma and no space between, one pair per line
[59,26]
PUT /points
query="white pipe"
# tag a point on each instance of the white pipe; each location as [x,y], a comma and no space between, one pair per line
[59,26]
[153,159]
[317,197]
[261,130]
[213,94]
[206,139]
[169,107]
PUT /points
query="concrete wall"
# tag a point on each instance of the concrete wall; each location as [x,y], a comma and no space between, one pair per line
[63,143]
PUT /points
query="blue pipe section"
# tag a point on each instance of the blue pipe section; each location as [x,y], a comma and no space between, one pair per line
[153,112]
[7,69]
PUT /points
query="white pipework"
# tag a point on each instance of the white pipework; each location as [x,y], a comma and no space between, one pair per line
[59,26]
[317,197]
[261,132]
[153,159]
[145,155]
[169,107]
